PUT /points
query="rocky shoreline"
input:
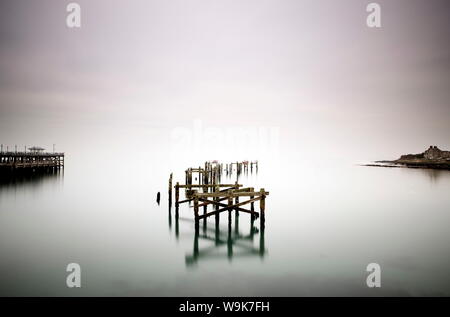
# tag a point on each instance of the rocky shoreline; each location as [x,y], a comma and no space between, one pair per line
[433,158]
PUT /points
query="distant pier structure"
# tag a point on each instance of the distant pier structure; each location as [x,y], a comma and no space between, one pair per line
[31,159]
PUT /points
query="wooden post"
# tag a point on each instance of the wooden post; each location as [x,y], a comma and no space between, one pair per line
[217,189]
[236,226]
[262,206]
[195,204]
[216,207]
[170,190]
[237,200]
[205,190]
[205,207]
[196,210]
[177,194]
[230,203]
[229,240]
[252,204]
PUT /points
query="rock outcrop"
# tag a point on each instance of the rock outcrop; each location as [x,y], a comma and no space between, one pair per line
[433,153]
[433,157]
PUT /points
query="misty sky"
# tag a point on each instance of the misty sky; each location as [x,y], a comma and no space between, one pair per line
[137,70]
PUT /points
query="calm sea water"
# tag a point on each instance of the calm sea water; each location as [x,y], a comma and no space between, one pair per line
[324,224]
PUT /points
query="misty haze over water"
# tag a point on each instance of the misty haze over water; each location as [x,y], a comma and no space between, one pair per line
[146,88]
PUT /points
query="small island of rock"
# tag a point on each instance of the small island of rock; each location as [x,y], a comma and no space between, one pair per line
[431,158]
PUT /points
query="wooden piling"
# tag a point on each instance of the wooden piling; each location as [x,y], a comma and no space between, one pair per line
[170,190]
[252,204]
[196,211]
[230,204]
[177,194]
[262,207]
[237,200]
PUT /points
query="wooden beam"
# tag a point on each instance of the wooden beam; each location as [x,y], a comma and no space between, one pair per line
[208,185]
[233,194]
[226,206]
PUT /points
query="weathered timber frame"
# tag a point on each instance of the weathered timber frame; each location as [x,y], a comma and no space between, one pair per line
[223,197]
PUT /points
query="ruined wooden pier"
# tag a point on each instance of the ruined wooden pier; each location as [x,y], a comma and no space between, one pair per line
[208,191]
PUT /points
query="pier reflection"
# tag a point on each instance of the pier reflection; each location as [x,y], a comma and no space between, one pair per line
[29,178]
[213,241]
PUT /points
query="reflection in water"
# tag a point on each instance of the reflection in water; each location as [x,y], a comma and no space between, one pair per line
[236,243]
[328,221]
[244,171]
[434,175]
[9,180]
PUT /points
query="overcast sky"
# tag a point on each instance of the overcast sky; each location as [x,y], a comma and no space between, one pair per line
[136,71]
